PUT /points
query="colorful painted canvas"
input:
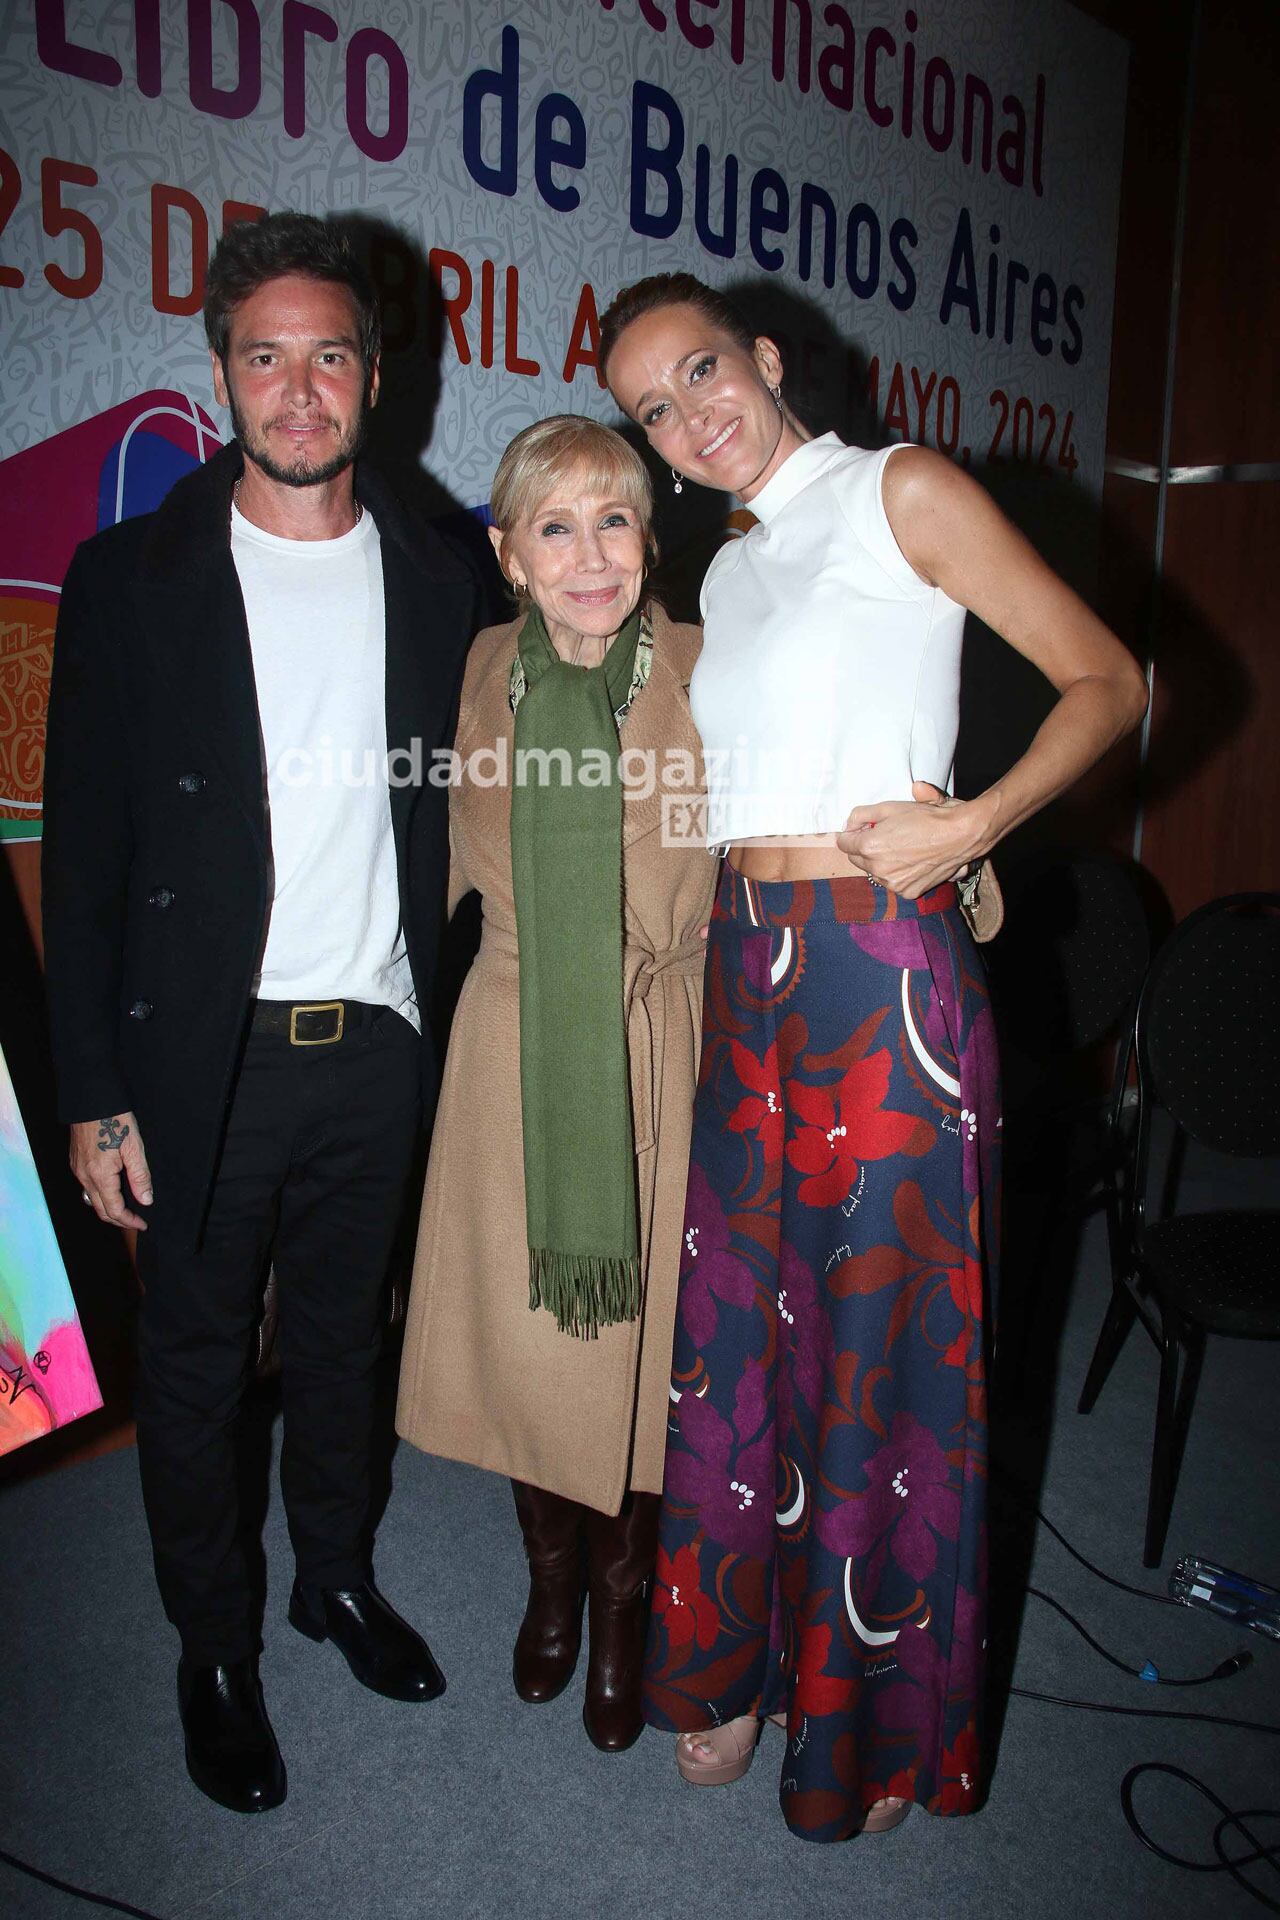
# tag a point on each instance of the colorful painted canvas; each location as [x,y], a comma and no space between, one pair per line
[46,1375]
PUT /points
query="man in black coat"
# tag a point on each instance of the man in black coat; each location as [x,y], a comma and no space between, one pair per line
[244,861]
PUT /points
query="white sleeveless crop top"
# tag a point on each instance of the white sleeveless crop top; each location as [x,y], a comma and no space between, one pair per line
[829,675]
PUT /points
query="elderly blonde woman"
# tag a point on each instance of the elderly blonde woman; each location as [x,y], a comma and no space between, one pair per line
[540,1323]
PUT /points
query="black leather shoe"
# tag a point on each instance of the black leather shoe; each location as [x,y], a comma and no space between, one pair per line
[231,1749]
[381,1649]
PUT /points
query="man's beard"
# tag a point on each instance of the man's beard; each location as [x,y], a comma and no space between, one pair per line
[302,473]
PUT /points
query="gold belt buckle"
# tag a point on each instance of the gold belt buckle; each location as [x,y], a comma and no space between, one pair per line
[316,1006]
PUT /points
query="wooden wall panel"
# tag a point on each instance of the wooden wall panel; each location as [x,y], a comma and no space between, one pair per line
[1227,405]
[1157,32]
[1210,794]
[1102,809]
[1213,777]
[1213,785]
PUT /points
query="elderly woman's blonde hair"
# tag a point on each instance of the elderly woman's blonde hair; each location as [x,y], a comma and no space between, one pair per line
[569,446]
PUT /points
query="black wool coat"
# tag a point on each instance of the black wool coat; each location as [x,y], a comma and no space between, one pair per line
[156,850]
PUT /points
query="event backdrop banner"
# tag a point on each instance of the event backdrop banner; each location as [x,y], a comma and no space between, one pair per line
[934,188]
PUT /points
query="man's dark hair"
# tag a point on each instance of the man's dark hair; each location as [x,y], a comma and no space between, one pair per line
[254,251]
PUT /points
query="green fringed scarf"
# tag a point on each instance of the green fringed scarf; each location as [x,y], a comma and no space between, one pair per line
[575,1088]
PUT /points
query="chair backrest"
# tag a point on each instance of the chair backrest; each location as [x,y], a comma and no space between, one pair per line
[1208,1030]
[1067,966]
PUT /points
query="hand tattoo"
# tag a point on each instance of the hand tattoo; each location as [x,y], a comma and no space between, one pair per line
[111,1135]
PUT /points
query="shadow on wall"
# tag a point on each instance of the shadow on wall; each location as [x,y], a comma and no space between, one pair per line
[399,440]
[403,423]
[1206,688]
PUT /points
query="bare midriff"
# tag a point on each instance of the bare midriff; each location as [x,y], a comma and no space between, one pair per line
[785,857]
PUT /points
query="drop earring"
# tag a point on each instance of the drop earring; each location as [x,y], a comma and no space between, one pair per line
[777,394]
[679,486]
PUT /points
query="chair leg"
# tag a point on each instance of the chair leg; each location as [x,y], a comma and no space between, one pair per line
[1193,1341]
[1164,1451]
[1173,1422]
[1113,1203]
[1120,1316]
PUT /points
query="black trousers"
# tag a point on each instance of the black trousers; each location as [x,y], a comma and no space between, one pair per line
[312,1177]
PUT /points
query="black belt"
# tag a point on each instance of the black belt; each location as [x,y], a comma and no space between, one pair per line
[313,1023]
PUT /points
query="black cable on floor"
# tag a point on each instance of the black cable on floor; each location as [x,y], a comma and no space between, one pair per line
[1235,1663]
[1010,1484]
[77,1893]
[1145,1713]
[1231,1820]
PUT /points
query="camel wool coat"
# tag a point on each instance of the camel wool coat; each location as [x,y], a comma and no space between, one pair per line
[484,1379]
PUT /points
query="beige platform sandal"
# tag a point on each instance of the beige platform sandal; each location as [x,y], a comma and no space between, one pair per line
[734,1745]
[886,1814]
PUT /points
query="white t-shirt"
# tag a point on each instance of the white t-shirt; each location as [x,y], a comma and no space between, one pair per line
[317,631]
[829,675]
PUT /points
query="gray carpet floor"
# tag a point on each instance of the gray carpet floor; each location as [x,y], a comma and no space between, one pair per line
[477,1805]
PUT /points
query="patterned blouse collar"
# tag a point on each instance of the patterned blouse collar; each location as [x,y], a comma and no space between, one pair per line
[517,689]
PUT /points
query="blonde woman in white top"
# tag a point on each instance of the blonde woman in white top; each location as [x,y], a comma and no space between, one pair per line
[823,1530]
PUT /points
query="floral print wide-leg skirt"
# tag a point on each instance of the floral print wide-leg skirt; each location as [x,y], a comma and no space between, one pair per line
[823,1531]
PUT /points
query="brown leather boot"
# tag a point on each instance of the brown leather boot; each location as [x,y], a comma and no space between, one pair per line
[546,1649]
[620,1555]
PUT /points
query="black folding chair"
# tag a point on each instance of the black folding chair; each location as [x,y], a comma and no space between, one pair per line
[1067,964]
[1208,1048]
